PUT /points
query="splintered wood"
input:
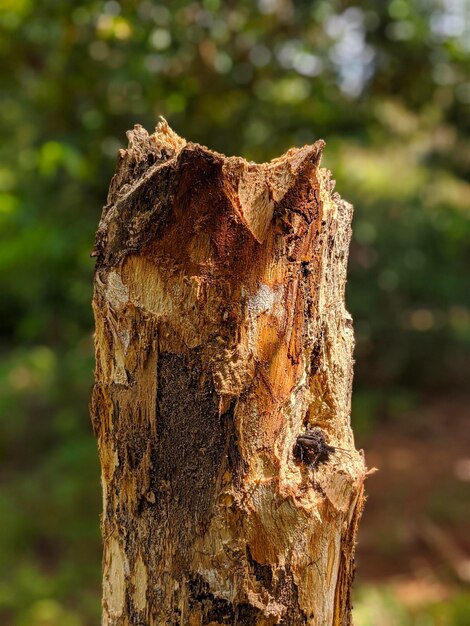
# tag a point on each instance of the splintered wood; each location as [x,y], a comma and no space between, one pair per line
[221,338]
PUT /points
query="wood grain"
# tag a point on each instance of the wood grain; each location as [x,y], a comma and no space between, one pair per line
[221,336]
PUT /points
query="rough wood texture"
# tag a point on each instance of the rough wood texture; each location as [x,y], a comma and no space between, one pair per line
[221,336]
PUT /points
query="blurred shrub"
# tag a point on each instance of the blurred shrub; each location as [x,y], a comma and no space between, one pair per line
[382,606]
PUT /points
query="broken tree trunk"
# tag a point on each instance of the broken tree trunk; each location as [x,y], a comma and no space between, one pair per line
[221,338]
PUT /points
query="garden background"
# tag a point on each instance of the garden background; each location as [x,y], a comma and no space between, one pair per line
[387,85]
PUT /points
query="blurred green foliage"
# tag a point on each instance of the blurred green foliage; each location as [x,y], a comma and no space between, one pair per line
[385,83]
[382,607]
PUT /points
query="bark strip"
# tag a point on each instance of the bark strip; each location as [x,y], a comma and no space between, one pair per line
[221,337]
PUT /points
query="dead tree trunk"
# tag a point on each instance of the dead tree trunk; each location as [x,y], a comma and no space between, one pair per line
[223,383]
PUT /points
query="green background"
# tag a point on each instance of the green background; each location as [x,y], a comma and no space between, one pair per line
[386,84]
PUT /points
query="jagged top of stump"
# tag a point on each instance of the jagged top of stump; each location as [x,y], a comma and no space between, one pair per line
[252,188]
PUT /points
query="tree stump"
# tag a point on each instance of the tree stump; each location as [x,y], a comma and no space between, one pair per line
[223,383]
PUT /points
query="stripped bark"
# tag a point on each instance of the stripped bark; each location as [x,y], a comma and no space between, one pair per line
[221,336]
